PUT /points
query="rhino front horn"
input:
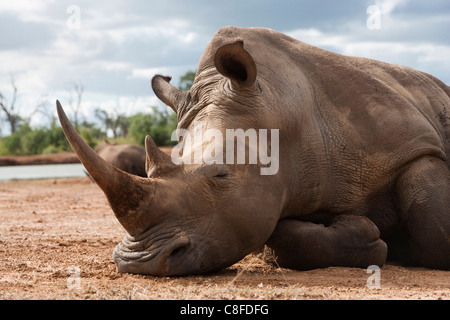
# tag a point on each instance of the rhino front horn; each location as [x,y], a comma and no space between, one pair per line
[125,192]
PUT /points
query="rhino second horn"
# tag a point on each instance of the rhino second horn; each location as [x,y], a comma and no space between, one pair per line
[157,161]
[125,192]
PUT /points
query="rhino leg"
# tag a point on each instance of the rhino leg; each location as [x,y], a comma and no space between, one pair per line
[423,198]
[351,241]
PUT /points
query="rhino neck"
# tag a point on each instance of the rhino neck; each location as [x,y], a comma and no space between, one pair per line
[304,151]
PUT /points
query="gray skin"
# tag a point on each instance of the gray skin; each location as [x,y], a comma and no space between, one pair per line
[127,157]
[363,156]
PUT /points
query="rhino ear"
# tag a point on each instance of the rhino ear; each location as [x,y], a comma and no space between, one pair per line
[167,93]
[235,63]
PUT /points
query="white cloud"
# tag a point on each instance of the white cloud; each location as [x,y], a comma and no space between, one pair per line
[76,44]
[23,6]
[28,10]
[121,45]
[426,56]
[113,65]
[148,73]
[174,32]
[388,6]
[318,38]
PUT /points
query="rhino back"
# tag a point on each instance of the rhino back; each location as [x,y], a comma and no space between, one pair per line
[376,118]
[129,158]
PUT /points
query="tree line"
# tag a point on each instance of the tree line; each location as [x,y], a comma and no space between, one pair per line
[159,122]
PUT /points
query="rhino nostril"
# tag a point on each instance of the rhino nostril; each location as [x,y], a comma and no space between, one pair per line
[181,246]
[177,260]
[178,251]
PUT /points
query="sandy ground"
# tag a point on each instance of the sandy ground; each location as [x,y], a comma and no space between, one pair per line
[57,238]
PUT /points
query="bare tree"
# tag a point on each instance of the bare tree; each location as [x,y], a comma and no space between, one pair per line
[44,109]
[106,120]
[116,120]
[9,108]
[118,123]
[75,102]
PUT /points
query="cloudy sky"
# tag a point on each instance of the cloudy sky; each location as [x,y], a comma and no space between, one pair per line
[113,48]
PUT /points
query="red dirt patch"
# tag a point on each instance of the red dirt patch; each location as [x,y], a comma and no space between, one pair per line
[53,230]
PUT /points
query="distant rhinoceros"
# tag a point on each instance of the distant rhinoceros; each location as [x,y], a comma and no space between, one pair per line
[363,155]
[127,157]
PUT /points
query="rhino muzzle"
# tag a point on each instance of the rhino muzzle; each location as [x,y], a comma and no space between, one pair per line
[138,254]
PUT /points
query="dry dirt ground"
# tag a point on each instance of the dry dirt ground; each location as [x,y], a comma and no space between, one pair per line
[57,238]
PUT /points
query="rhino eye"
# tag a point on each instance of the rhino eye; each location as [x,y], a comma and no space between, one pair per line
[221,175]
[214,171]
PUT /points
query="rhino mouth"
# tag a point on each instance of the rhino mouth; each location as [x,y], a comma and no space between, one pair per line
[141,255]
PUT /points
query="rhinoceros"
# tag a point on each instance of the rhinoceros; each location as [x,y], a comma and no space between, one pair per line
[363,155]
[127,157]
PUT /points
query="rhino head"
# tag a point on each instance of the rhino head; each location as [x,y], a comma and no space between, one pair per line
[192,218]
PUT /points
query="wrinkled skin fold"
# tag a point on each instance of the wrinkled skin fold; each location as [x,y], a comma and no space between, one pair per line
[363,164]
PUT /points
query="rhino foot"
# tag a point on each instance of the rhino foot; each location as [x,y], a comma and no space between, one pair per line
[349,241]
